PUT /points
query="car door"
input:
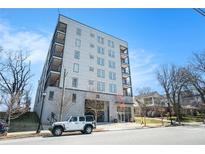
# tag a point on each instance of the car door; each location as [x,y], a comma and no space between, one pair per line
[81,122]
[72,124]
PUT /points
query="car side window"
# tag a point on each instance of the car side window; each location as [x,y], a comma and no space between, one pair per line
[81,118]
[89,118]
[73,119]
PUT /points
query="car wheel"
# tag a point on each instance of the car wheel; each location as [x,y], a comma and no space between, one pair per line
[82,131]
[88,129]
[57,131]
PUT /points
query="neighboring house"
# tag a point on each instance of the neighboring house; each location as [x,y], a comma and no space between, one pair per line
[97,78]
[153,103]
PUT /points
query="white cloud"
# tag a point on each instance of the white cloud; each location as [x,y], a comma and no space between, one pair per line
[35,43]
[143,66]
[17,39]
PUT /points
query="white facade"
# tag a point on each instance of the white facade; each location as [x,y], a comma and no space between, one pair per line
[97,66]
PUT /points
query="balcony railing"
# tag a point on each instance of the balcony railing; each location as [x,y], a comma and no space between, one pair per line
[61,41]
[58,54]
[125,74]
[124,64]
[123,55]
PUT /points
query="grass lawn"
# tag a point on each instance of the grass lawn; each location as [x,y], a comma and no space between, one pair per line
[150,120]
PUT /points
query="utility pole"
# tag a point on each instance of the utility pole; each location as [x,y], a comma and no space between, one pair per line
[62,96]
[40,118]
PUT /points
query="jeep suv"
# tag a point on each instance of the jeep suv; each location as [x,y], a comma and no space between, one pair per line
[85,124]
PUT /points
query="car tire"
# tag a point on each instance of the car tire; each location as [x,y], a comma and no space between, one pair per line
[88,129]
[57,131]
[82,131]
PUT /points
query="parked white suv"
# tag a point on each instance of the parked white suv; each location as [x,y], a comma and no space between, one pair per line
[85,124]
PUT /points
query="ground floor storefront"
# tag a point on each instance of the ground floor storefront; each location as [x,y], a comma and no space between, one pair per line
[104,107]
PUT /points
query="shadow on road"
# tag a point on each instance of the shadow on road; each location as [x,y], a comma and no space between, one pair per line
[64,134]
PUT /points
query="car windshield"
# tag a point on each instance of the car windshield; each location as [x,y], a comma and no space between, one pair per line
[68,118]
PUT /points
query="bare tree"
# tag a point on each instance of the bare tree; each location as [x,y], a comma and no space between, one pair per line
[143,104]
[173,80]
[14,83]
[196,75]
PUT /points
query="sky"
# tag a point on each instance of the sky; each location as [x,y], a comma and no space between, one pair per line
[154,36]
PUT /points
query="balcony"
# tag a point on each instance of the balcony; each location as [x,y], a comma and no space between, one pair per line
[53,80]
[123,55]
[60,38]
[125,74]
[126,85]
[61,27]
[58,51]
[124,64]
[55,65]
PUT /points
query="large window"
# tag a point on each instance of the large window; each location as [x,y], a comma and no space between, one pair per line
[77,54]
[112,88]
[75,82]
[101,73]
[77,42]
[100,50]
[111,64]
[111,53]
[110,43]
[100,86]
[100,40]
[76,67]
[112,75]
[100,61]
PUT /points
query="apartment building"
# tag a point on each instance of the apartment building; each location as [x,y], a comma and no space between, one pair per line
[86,72]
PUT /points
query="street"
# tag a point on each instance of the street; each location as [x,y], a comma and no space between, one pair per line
[166,135]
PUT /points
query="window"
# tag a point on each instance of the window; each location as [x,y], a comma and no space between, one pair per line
[112,76]
[78,31]
[74,98]
[101,50]
[110,43]
[73,119]
[76,67]
[91,69]
[51,94]
[81,118]
[91,82]
[100,61]
[91,56]
[77,42]
[75,82]
[101,73]
[100,86]
[92,45]
[111,53]
[111,64]
[100,40]
[112,88]
[92,35]
[77,54]
[89,118]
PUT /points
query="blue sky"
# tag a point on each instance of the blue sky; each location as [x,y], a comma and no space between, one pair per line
[155,36]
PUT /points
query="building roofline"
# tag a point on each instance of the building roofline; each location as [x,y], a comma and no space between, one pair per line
[92,28]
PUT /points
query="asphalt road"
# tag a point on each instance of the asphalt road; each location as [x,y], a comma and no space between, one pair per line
[172,135]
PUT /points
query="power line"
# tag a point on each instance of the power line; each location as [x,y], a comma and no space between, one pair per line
[200,11]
